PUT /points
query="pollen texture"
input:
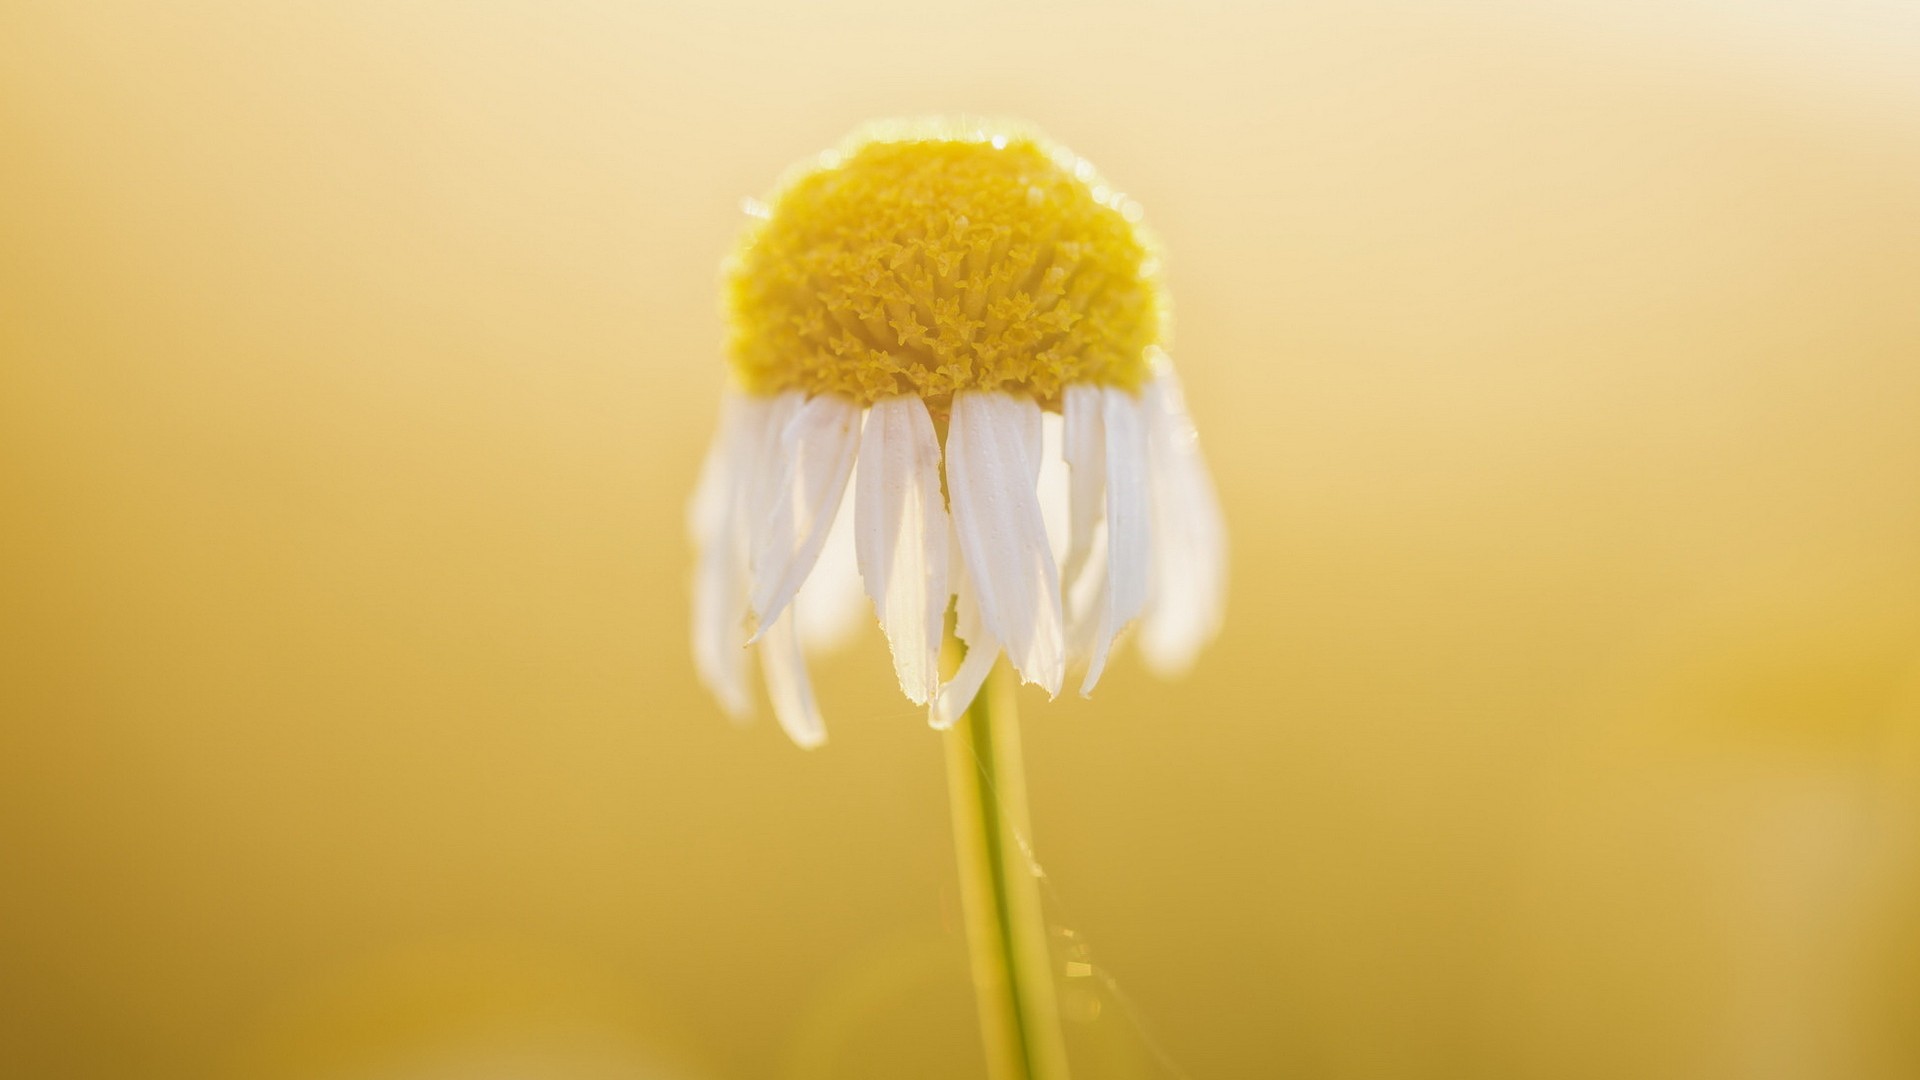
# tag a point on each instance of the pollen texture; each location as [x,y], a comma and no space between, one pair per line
[928,264]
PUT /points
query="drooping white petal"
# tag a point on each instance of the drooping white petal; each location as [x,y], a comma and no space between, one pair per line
[993,452]
[814,458]
[1086,599]
[760,490]
[1129,546]
[788,687]
[1052,486]
[716,518]
[713,491]
[900,521]
[982,651]
[1187,582]
[1085,452]
[829,604]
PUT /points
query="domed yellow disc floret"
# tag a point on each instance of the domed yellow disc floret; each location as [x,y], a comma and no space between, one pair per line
[929,260]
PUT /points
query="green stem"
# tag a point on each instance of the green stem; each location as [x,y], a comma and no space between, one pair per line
[1012,966]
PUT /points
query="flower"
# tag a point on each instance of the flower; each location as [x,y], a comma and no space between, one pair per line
[949,384]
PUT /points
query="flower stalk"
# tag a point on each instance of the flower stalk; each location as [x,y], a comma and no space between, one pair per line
[1006,931]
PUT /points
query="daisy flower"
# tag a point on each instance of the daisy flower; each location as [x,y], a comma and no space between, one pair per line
[949,386]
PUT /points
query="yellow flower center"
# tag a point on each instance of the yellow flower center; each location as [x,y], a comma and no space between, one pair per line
[940,259]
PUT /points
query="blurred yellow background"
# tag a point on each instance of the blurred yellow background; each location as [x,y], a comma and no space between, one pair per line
[1560,365]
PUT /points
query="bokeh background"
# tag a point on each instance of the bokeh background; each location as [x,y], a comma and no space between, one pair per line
[1560,364]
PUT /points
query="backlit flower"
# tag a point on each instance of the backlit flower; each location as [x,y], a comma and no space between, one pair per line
[949,385]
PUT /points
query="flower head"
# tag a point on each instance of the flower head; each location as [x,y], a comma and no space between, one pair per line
[969,315]
[929,259]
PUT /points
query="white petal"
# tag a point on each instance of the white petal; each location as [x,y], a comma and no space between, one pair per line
[717,519]
[982,651]
[707,509]
[900,520]
[1129,545]
[829,604]
[1086,456]
[1187,584]
[759,490]
[993,452]
[1052,485]
[785,671]
[1081,585]
[1086,599]
[815,457]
